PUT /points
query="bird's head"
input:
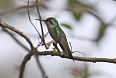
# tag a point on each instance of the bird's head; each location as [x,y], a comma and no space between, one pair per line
[50,21]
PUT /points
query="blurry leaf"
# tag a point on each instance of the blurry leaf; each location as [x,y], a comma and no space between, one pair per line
[96,73]
[54,49]
[101,32]
[77,15]
[76,4]
[67,26]
[6,4]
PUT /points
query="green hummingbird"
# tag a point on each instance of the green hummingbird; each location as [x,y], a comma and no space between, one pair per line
[58,35]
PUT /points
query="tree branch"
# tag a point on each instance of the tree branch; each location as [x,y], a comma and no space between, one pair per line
[27,57]
[86,59]
[14,9]
[43,38]
[15,39]
[37,57]
[40,66]
[86,9]
[24,62]
[17,31]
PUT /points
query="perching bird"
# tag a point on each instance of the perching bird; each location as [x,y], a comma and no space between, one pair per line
[58,35]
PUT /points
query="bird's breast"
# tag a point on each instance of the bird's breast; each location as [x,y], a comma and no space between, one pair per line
[53,34]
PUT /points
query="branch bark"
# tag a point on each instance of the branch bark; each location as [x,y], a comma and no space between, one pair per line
[85,59]
[29,56]
[34,50]
[16,31]
[43,38]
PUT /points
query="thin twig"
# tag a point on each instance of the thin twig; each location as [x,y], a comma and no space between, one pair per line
[41,41]
[31,21]
[40,66]
[43,38]
[36,57]
[94,14]
[78,52]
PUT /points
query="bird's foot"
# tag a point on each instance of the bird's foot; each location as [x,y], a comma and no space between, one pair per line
[49,43]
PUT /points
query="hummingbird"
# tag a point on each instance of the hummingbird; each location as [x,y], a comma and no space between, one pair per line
[58,35]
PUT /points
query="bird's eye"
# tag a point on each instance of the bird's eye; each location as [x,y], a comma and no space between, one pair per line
[51,22]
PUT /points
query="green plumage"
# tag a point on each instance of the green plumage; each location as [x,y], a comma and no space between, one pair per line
[58,35]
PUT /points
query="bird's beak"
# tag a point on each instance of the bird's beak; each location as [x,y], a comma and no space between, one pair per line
[41,20]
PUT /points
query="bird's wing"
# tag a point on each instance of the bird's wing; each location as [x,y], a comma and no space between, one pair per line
[63,42]
[65,47]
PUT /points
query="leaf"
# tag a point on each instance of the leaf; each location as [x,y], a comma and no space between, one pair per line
[54,49]
[77,16]
[101,32]
[6,4]
[67,26]
[76,4]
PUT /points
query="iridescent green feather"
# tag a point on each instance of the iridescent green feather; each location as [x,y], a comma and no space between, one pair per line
[59,30]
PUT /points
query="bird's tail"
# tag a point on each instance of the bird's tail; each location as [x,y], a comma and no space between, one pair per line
[66,48]
[70,55]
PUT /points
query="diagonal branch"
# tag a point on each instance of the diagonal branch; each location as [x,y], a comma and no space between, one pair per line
[36,57]
[31,21]
[17,31]
[15,39]
[24,62]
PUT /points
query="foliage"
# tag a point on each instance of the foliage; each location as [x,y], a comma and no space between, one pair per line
[6,4]
[67,26]
[76,4]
